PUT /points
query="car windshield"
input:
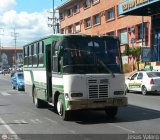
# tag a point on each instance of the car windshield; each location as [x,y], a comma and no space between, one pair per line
[20,76]
[153,74]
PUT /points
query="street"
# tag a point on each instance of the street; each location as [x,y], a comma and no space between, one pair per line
[18,116]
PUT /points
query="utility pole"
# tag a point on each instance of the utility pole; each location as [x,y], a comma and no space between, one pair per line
[15,43]
[55,21]
[1,44]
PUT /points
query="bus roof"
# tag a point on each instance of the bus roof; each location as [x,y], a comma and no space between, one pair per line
[69,35]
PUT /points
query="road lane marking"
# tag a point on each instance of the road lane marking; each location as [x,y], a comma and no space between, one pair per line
[36,121]
[11,131]
[126,129]
[5,94]
[51,120]
[20,122]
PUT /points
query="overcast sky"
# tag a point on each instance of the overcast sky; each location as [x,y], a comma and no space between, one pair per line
[29,18]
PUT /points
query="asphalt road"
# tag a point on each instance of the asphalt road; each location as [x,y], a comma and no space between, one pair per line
[20,119]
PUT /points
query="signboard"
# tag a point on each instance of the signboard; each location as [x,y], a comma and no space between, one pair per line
[129,5]
[146,54]
[125,59]
[133,40]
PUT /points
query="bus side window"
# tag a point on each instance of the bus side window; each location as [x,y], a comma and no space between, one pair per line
[41,53]
[26,56]
[30,55]
[35,55]
[54,57]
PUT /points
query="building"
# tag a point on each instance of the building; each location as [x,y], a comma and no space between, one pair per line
[102,17]
[8,54]
[146,8]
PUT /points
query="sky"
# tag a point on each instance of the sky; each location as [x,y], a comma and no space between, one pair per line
[29,18]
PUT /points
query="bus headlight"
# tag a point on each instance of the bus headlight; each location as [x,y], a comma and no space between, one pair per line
[76,94]
[118,92]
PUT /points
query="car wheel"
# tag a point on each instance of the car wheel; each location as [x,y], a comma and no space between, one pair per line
[144,90]
[126,89]
[18,88]
[111,111]
[65,115]
[13,87]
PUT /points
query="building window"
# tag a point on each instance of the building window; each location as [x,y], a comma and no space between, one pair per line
[111,33]
[86,3]
[69,12]
[87,22]
[139,31]
[124,36]
[110,14]
[77,27]
[96,19]
[61,16]
[70,29]
[95,1]
[76,8]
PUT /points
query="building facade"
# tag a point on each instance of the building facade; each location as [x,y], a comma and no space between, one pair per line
[146,8]
[101,17]
[10,56]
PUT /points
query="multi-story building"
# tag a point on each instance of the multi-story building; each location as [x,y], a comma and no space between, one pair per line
[102,17]
[11,56]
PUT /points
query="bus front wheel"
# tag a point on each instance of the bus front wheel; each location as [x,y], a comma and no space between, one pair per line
[65,115]
[38,102]
[111,111]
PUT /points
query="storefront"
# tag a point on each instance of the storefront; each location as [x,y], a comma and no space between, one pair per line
[146,8]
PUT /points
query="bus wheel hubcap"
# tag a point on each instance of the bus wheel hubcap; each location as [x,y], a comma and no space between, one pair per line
[35,100]
[59,108]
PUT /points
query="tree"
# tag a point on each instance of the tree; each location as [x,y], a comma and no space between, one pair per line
[136,53]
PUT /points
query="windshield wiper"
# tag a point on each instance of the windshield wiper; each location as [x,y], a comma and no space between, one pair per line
[102,63]
[104,66]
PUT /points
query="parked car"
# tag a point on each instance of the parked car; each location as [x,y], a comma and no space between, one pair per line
[17,81]
[144,82]
[5,71]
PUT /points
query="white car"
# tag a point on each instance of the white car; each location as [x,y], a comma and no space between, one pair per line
[144,81]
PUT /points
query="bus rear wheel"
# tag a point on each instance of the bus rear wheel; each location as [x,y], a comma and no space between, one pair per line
[38,102]
[65,115]
[111,111]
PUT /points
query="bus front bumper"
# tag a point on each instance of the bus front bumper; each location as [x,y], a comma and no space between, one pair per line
[96,103]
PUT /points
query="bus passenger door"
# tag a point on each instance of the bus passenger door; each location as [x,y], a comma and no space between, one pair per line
[49,72]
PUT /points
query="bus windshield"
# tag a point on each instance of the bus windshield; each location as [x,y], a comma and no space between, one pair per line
[91,55]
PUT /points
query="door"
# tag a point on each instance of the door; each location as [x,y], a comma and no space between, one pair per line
[49,72]
[139,81]
[132,82]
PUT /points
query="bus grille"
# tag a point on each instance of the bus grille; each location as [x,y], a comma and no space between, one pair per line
[98,88]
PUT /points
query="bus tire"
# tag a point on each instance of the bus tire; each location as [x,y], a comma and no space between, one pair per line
[65,115]
[111,111]
[38,102]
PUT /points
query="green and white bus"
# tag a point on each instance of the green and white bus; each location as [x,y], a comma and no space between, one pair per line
[75,72]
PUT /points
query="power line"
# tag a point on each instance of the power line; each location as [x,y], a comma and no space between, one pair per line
[55,21]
